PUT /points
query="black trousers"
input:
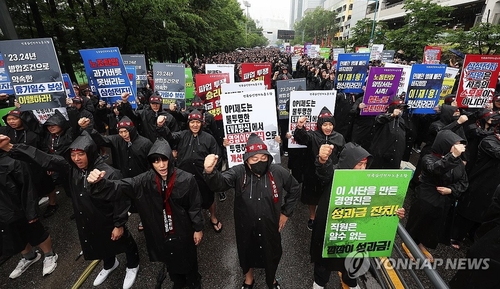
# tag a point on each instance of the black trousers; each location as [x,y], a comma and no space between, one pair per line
[322,276]
[130,251]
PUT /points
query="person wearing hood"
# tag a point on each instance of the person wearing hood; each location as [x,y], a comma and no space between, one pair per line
[20,227]
[100,222]
[261,209]
[442,181]
[355,157]
[193,145]
[146,118]
[313,139]
[362,125]
[79,104]
[109,115]
[389,137]
[169,203]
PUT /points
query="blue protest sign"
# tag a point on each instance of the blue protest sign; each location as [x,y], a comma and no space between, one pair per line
[351,72]
[424,88]
[68,85]
[5,86]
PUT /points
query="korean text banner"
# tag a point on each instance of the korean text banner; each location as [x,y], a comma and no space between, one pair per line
[388,56]
[108,72]
[478,80]
[381,89]
[208,88]
[189,86]
[404,81]
[361,203]
[432,55]
[68,85]
[131,74]
[170,82]
[247,112]
[351,72]
[376,51]
[309,104]
[239,87]
[34,73]
[450,76]
[424,89]
[5,86]
[221,68]
[257,71]
[295,59]
[324,52]
[284,87]
[139,61]
[336,52]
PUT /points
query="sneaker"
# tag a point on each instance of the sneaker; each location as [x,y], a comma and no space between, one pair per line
[103,275]
[49,264]
[130,277]
[357,287]
[51,209]
[222,196]
[316,286]
[310,224]
[285,154]
[276,285]
[23,265]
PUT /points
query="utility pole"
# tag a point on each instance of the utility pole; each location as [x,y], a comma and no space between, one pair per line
[6,24]
[370,44]
[247,4]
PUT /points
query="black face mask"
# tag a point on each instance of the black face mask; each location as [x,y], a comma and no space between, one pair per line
[259,168]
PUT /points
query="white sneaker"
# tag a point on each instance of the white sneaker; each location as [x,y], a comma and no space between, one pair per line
[130,277]
[357,287]
[23,265]
[316,286]
[101,277]
[49,264]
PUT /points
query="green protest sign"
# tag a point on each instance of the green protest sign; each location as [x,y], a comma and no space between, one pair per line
[324,52]
[4,112]
[362,212]
[189,86]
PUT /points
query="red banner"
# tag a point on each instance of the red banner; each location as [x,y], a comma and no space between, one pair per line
[478,80]
[208,88]
[257,71]
[432,55]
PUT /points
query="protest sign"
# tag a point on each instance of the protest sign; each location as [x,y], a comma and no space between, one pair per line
[448,83]
[247,112]
[5,86]
[68,85]
[404,81]
[257,71]
[361,203]
[388,56]
[284,87]
[295,59]
[309,104]
[424,89]
[336,52]
[324,52]
[170,82]
[139,62]
[131,74]
[43,114]
[381,89]
[34,73]
[208,88]
[220,68]
[432,55]
[239,87]
[478,80]
[110,77]
[376,51]
[4,112]
[189,86]
[351,72]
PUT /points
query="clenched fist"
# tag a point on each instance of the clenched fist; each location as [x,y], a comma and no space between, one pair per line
[300,123]
[210,162]
[95,176]
[124,96]
[457,149]
[84,122]
[160,121]
[324,152]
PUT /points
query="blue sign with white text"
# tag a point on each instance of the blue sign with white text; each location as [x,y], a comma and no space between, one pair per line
[352,69]
[424,87]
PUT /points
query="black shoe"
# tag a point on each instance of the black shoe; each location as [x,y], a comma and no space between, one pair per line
[310,224]
[246,286]
[276,285]
[51,209]
[222,196]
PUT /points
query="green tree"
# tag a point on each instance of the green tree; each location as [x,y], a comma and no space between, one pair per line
[361,33]
[480,39]
[316,25]
[422,27]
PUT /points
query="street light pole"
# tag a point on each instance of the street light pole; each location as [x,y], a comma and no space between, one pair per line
[373,23]
[247,4]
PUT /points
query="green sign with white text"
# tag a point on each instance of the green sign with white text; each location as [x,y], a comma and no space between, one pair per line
[362,212]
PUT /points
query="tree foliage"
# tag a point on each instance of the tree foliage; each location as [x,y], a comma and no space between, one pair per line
[422,27]
[361,33]
[316,25]
[480,39]
[164,30]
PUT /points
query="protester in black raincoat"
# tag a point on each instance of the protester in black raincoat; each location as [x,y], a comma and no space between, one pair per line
[485,251]
[260,207]
[343,118]
[483,180]
[362,125]
[313,139]
[169,203]
[442,181]
[389,137]
[193,145]
[146,118]
[100,222]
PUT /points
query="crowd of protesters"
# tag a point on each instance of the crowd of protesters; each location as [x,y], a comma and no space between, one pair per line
[168,163]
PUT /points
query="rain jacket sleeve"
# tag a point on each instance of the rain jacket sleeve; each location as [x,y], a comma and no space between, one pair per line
[50,162]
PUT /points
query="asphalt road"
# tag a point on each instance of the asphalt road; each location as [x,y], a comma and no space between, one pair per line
[217,256]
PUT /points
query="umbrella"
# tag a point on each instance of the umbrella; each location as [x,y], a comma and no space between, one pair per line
[458,53]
